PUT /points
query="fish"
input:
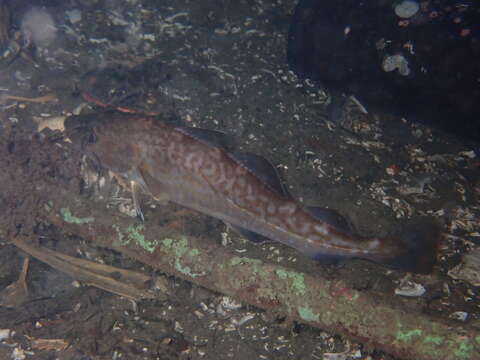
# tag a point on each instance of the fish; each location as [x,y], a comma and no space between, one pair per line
[197,168]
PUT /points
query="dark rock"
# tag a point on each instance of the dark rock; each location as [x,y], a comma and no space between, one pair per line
[343,44]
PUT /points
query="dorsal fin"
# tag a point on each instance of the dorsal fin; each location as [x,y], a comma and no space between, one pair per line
[331,217]
[210,137]
[263,169]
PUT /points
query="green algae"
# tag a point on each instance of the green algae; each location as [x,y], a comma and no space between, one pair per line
[464,349]
[238,260]
[298,280]
[182,250]
[69,218]
[461,348]
[134,234]
[406,336]
[437,340]
[306,313]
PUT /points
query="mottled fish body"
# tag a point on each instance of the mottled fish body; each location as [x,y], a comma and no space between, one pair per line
[193,168]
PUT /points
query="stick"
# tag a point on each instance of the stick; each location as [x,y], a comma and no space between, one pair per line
[326,304]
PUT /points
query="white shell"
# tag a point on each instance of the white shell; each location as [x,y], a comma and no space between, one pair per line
[406,9]
[410,289]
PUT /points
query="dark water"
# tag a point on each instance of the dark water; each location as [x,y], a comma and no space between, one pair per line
[348,45]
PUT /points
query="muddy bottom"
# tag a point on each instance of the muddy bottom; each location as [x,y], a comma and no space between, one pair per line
[219,66]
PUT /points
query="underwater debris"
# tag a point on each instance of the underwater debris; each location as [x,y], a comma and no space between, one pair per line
[396,62]
[406,9]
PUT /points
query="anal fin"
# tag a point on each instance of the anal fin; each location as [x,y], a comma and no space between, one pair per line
[331,217]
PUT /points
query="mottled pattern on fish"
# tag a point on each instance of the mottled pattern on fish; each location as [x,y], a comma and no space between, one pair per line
[174,163]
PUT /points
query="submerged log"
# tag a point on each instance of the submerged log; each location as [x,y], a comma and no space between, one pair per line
[327,304]
[50,194]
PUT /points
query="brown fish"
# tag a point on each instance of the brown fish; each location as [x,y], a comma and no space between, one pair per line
[194,168]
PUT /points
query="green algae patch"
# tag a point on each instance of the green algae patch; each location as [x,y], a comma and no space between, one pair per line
[69,218]
[437,340]
[306,313]
[298,280]
[194,252]
[260,275]
[464,349]
[134,234]
[238,260]
[406,336]
[432,345]
[477,339]
[167,242]
[182,250]
[256,266]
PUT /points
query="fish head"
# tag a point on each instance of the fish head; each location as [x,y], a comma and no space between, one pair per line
[80,129]
[106,138]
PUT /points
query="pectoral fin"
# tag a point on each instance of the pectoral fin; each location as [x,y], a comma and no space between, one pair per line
[134,187]
[137,183]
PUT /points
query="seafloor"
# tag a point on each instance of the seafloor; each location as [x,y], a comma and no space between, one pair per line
[217,65]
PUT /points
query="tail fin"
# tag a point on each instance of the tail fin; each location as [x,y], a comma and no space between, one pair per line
[420,242]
